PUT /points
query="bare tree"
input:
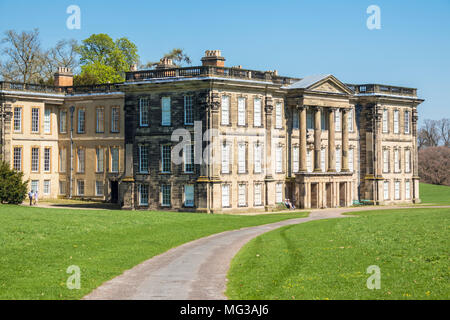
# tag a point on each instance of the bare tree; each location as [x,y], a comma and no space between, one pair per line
[434,165]
[444,131]
[64,54]
[178,56]
[429,134]
[24,58]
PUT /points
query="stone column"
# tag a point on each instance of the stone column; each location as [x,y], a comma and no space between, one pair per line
[345,140]
[331,141]
[317,139]
[302,134]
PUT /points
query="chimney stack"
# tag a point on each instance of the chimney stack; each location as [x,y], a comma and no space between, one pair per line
[64,77]
[213,58]
[165,63]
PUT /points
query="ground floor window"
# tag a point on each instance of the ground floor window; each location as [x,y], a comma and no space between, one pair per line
[225,195]
[80,187]
[386,190]
[165,194]
[34,185]
[242,195]
[143,194]
[62,187]
[17,162]
[397,190]
[189,195]
[279,193]
[47,187]
[258,194]
[99,188]
[407,190]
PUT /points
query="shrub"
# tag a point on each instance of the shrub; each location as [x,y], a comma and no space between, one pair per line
[13,189]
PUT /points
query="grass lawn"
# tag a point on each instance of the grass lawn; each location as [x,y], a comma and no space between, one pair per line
[38,245]
[328,259]
[434,194]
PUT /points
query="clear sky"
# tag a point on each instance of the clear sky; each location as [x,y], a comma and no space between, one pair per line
[297,38]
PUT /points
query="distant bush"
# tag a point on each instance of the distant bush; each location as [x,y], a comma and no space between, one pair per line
[12,188]
[434,165]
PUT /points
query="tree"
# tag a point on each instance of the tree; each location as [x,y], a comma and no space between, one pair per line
[24,58]
[434,165]
[178,56]
[105,59]
[95,73]
[444,131]
[13,189]
[428,135]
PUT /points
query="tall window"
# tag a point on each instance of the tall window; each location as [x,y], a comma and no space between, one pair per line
[241,158]
[278,115]
[257,112]
[62,187]
[115,119]
[143,194]
[279,159]
[386,190]
[242,190]
[81,158]
[225,158]
[47,120]
[17,119]
[100,115]
[81,120]
[309,119]
[80,187]
[322,159]
[258,194]
[323,121]
[143,159]
[188,110]
[114,159]
[225,195]
[397,190]
[35,120]
[46,159]
[309,160]
[338,159]
[62,159]
[17,162]
[295,159]
[165,101]
[189,195]
[396,127]
[407,190]
[337,120]
[351,155]
[165,159]
[241,111]
[62,121]
[350,120]
[34,159]
[225,110]
[385,160]
[279,192]
[47,187]
[189,158]
[407,117]
[407,160]
[295,120]
[257,158]
[35,185]
[165,194]
[396,161]
[385,121]
[100,159]
[143,112]
[99,188]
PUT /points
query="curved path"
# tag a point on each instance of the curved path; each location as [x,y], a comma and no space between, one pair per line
[197,269]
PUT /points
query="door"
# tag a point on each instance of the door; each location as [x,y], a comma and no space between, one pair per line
[114,191]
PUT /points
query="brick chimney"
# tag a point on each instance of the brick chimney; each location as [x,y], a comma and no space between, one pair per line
[165,63]
[213,58]
[64,77]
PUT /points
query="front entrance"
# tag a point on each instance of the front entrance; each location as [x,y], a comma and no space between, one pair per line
[114,191]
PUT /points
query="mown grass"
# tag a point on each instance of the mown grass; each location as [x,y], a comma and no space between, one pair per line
[434,194]
[37,245]
[328,259]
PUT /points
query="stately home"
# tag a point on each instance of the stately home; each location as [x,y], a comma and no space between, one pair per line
[247,139]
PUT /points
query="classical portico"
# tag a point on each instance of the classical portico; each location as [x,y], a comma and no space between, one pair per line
[318,184]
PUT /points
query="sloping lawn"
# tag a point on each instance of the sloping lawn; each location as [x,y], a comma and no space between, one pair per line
[38,245]
[328,259]
[434,194]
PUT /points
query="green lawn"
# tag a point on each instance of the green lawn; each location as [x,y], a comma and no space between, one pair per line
[434,194]
[328,259]
[38,245]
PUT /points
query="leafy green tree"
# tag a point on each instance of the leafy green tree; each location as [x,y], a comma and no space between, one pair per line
[106,60]
[178,56]
[13,189]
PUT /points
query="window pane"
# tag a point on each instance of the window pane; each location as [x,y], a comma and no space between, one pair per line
[189,195]
[165,111]
[188,112]
[100,120]
[115,159]
[115,118]
[17,119]
[35,120]
[241,111]
[257,112]
[143,112]
[225,110]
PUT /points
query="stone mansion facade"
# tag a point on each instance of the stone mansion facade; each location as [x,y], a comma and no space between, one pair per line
[250,139]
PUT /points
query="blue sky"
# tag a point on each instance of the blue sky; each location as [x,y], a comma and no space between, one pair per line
[297,38]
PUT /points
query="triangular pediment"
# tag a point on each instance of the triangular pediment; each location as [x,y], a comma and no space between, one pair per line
[324,83]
